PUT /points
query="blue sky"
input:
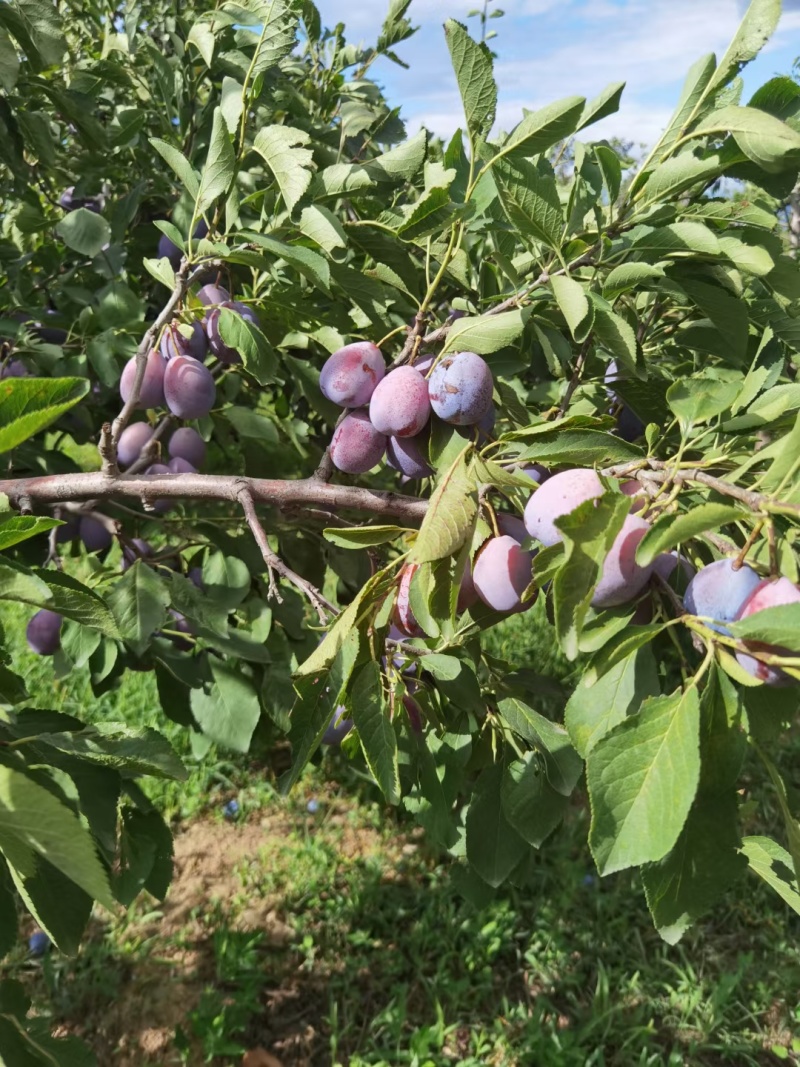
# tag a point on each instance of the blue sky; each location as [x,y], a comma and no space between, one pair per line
[553,48]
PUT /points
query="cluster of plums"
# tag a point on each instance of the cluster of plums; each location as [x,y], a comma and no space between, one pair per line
[389,414]
[175,374]
[502,569]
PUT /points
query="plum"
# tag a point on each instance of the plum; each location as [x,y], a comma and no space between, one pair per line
[559,495]
[223,352]
[189,389]
[718,592]
[349,377]
[43,633]
[501,573]
[15,368]
[174,343]
[639,499]
[94,534]
[460,389]
[399,406]
[160,506]
[629,426]
[769,593]
[622,579]
[133,549]
[246,312]
[408,455]
[512,526]
[131,442]
[665,564]
[356,446]
[183,626]
[213,294]
[179,465]
[338,728]
[187,444]
[151,394]
[403,615]
[70,202]
[424,364]
[69,531]
[167,249]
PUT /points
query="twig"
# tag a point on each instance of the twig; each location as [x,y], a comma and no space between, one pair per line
[576,374]
[656,470]
[108,451]
[275,564]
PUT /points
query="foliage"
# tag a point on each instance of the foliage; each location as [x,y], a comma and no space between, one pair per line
[330,225]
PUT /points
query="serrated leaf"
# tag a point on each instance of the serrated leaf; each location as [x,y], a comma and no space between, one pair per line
[485,334]
[229,711]
[450,513]
[774,864]
[307,262]
[530,804]
[631,276]
[84,232]
[282,148]
[28,405]
[179,164]
[472,63]
[139,602]
[563,765]
[494,848]
[540,130]
[759,22]
[21,527]
[642,780]
[257,354]
[607,103]
[321,225]
[529,196]
[669,531]
[34,818]
[771,144]
[778,626]
[574,305]
[363,536]
[220,167]
[367,707]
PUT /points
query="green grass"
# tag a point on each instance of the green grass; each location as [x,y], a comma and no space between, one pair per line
[380,960]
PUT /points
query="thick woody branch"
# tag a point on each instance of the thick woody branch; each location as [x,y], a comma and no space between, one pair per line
[275,564]
[60,488]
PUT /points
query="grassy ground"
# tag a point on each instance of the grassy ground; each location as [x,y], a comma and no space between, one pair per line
[320,928]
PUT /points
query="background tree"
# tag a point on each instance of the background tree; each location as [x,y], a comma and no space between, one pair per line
[202,214]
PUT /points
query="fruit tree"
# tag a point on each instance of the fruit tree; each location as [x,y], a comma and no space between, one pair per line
[295,407]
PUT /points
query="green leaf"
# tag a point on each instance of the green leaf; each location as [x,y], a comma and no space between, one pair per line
[755,29]
[202,37]
[486,334]
[779,626]
[139,602]
[694,91]
[595,708]
[574,305]
[282,149]
[84,232]
[308,263]
[578,448]
[179,164]
[220,165]
[21,527]
[631,276]
[529,195]
[589,532]
[318,696]
[472,63]
[530,804]
[607,103]
[774,864]
[494,848]
[321,225]
[701,867]
[677,238]
[431,214]
[60,907]
[28,405]
[668,531]
[257,354]
[130,751]
[563,765]
[275,26]
[34,819]
[614,334]
[771,144]
[76,601]
[642,780]
[228,712]
[9,63]
[448,519]
[674,176]
[366,705]
[363,536]
[540,130]
[145,856]
[698,400]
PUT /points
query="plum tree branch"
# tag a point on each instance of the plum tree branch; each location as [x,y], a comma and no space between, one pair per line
[275,564]
[312,492]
